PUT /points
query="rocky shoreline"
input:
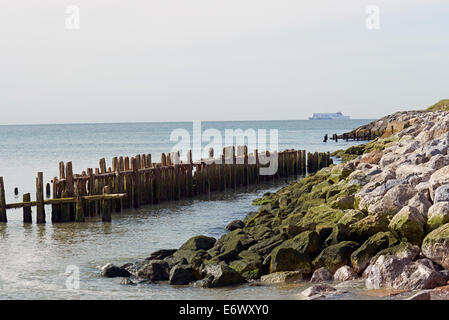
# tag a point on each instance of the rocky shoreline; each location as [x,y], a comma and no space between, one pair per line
[382,216]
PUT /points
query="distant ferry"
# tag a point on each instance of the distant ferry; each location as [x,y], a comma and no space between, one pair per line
[329,116]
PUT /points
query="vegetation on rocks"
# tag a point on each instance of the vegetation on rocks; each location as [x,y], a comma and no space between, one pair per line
[375,210]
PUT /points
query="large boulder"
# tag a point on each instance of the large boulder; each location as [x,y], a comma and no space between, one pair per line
[438,215]
[406,171]
[394,199]
[236,224]
[161,254]
[409,224]
[403,250]
[307,242]
[360,258]
[283,277]
[220,275]
[436,246]
[198,242]
[437,179]
[437,162]
[181,275]
[392,272]
[154,270]
[441,194]
[335,256]
[321,275]
[112,271]
[318,289]
[367,227]
[249,266]
[289,259]
[345,273]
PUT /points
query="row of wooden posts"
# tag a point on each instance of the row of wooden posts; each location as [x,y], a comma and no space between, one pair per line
[132,182]
[359,136]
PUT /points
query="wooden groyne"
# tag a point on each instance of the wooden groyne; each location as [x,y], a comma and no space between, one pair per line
[365,135]
[131,182]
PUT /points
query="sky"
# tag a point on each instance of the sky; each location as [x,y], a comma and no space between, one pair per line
[183,60]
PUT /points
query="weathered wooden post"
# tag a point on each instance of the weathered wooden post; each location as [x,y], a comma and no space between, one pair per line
[106,206]
[40,209]
[47,190]
[135,183]
[55,208]
[3,217]
[189,174]
[27,208]
[79,212]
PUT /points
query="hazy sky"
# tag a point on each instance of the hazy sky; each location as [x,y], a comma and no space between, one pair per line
[167,60]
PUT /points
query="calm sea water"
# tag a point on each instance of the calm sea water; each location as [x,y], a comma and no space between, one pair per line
[34,258]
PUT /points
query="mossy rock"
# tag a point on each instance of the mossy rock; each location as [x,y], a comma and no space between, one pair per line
[319,216]
[401,250]
[307,242]
[362,256]
[436,246]
[288,259]
[193,257]
[260,231]
[335,256]
[340,232]
[248,268]
[263,201]
[307,204]
[198,243]
[367,227]
[380,143]
[266,246]
[408,224]
[341,190]
[343,203]
[351,216]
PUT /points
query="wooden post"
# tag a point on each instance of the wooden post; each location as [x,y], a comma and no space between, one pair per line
[106,211]
[27,208]
[79,212]
[189,174]
[55,208]
[135,183]
[3,217]
[40,209]
[70,189]
[47,190]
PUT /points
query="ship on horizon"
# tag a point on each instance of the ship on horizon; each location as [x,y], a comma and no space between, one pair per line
[329,116]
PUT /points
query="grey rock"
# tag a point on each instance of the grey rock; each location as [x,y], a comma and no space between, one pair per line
[112,271]
[220,275]
[394,273]
[345,273]
[198,243]
[154,270]
[318,289]
[442,193]
[161,254]
[236,224]
[321,275]
[181,275]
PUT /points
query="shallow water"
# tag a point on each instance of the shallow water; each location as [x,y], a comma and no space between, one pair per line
[34,258]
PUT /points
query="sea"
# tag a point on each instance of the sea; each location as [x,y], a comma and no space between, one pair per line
[61,261]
